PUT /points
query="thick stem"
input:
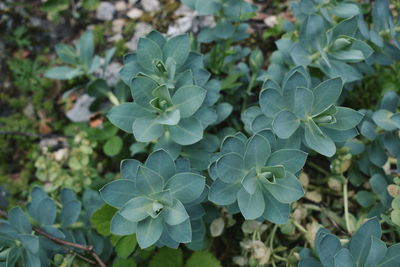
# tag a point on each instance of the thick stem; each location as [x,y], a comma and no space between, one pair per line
[346,206]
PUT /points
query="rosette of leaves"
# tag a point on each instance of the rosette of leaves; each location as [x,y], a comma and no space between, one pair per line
[380,142]
[312,110]
[156,200]
[334,52]
[257,176]
[331,37]
[173,98]
[383,33]
[364,249]
[329,10]
[20,243]
[80,60]
[228,13]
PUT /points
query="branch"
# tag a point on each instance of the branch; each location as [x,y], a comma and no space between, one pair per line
[88,249]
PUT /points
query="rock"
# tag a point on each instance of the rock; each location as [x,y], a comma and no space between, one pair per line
[105,11]
[117,25]
[115,38]
[29,111]
[151,5]
[134,13]
[80,111]
[141,29]
[120,6]
[271,21]
[112,73]
[184,23]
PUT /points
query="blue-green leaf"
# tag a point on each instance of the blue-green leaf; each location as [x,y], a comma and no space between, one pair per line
[175,214]
[186,186]
[19,220]
[137,209]
[251,205]
[304,102]
[275,211]
[292,159]
[285,124]
[326,94]
[188,131]
[317,140]
[30,243]
[148,181]
[361,241]
[121,226]
[230,167]
[177,48]
[162,163]
[148,52]
[285,190]
[70,212]
[343,259]
[188,99]
[223,193]
[257,152]
[146,129]
[149,231]
[117,193]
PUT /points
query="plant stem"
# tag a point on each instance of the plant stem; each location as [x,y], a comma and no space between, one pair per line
[248,91]
[317,168]
[346,206]
[299,227]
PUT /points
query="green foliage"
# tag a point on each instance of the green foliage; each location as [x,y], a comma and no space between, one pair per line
[173,97]
[257,175]
[69,166]
[153,200]
[298,108]
[23,244]
[202,165]
[365,248]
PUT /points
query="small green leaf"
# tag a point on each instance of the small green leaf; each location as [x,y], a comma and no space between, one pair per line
[101,219]
[167,257]
[86,49]
[125,246]
[202,259]
[113,146]
[63,73]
